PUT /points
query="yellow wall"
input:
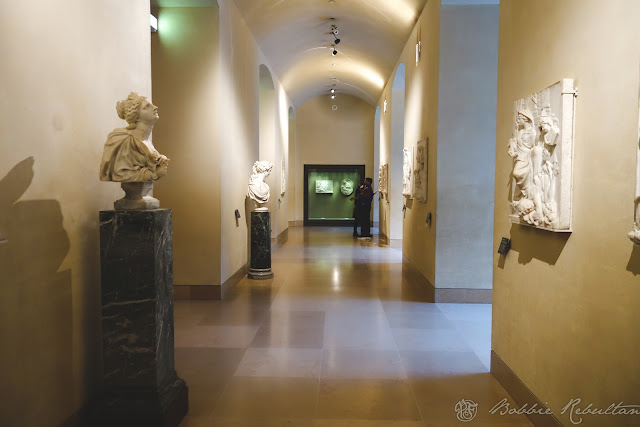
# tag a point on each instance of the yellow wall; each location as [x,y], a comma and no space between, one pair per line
[185,62]
[421,121]
[206,73]
[65,65]
[324,136]
[565,309]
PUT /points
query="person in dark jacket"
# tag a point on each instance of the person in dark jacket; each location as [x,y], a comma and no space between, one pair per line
[363,207]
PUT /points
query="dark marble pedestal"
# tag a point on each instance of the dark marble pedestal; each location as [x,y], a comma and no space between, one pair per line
[141,387]
[260,266]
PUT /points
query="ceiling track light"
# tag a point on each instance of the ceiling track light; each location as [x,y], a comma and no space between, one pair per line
[334,30]
[334,52]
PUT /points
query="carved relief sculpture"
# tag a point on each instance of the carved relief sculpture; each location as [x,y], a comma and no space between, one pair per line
[283,177]
[258,189]
[407,172]
[634,234]
[383,174]
[346,187]
[542,152]
[324,186]
[129,156]
[420,171]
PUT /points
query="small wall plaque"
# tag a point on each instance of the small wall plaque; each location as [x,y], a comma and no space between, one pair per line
[505,246]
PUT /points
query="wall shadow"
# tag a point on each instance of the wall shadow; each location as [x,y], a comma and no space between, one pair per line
[35,306]
[530,243]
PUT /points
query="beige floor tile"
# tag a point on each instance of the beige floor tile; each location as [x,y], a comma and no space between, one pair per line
[366,399]
[280,362]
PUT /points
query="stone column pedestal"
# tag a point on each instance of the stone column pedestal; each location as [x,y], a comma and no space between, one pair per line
[260,266]
[141,387]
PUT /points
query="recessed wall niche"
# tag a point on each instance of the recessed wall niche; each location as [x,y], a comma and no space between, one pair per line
[326,198]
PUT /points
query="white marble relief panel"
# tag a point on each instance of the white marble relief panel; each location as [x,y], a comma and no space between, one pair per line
[542,152]
[346,187]
[283,177]
[324,186]
[383,177]
[420,171]
[634,234]
[407,172]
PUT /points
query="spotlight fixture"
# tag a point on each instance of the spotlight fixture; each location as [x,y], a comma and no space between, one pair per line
[334,30]
[334,52]
[333,96]
[332,90]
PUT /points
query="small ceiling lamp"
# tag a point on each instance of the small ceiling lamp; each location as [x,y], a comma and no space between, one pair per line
[334,52]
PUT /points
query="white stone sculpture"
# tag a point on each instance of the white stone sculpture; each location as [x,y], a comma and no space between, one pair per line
[324,186]
[407,172]
[420,171]
[258,189]
[383,178]
[346,187]
[283,177]
[129,156]
[542,152]
[634,234]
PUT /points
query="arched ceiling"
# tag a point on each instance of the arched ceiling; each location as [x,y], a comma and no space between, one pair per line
[295,36]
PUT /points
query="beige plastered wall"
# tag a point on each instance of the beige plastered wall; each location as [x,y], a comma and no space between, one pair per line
[65,66]
[565,309]
[325,136]
[420,121]
[185,63]
[215,134]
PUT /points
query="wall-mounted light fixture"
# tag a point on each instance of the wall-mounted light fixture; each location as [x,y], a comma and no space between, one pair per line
[418,51]
[153,21]
[384,106]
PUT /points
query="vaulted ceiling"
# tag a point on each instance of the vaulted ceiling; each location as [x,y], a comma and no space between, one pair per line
[295,37]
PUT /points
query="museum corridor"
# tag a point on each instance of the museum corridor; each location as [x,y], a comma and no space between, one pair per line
[344,335]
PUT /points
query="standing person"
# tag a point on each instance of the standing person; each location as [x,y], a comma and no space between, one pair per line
[365,197]
[356,219]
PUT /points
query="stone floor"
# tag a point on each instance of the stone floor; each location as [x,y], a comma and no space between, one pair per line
[344,335]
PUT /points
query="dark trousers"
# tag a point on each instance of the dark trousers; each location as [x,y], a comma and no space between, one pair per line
[364,214]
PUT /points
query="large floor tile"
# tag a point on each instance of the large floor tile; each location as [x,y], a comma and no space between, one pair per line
[366,399]
[280,362]
[268,398]
[362,364]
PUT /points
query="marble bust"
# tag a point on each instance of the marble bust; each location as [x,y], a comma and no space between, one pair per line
[129,156]
[258,189]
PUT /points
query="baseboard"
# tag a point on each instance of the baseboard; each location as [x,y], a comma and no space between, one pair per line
[296,223]
[463,295]
[282,237]
[448,295]
[209,292]
[520,392]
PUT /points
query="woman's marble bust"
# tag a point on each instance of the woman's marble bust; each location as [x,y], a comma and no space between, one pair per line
[129,154]
[258,189]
